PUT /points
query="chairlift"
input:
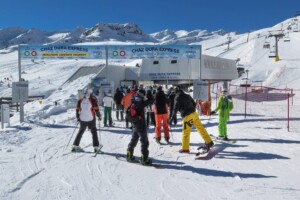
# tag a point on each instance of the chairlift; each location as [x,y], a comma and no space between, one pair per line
[266,45]
[272,54]
[287,38]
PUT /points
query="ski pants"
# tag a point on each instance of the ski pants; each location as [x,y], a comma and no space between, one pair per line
[139,131]
[107,114]
[150,117]
[119,111]
[162,119]
[188,122]
[222,126]
[92,126]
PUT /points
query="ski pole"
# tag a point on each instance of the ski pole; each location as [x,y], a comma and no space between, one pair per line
[171,133]
[100,145]
[72,135]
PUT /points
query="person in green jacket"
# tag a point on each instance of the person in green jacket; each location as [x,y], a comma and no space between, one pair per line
[225,105]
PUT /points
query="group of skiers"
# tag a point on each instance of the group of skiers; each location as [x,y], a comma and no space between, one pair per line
[160,108]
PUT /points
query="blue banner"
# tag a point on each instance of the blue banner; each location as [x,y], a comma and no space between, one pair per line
[114,51]
[154,51]
[62,52]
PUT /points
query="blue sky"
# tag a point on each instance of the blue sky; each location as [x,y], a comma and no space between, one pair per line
[152,15]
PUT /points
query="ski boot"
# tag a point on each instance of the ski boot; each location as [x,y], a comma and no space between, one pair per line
[130,157]
[145,160]
[76,148]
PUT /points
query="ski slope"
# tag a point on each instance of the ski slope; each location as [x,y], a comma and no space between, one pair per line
[36,163]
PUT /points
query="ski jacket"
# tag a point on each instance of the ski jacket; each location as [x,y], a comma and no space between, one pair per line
[87,108]
[108,101]
[225,105]
[184,103]
[161,103]
[140,105]
[118,97]
[126,101]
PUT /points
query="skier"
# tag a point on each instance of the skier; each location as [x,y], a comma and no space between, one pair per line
[139,129]
[86,109]
[118,98]
[150,110]
[185,104]
[108,104]
[125,103]
[225,105]
[161,115]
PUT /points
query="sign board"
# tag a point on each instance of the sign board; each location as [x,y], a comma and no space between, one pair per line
[170,69]
[154,51]
[5,113]
[126,83]
[200,90]
[62,52]
[113,51]
[107,88]
[20,91]
[215,68]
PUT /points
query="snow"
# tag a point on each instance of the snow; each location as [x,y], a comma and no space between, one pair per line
[263,164]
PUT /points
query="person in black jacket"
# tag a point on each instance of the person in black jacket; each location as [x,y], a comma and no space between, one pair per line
[119,108]
[87,108]
[185,104]
[150,109]
[139,130]
[161,115]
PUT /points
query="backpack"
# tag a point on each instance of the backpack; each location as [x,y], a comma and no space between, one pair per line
[133,112]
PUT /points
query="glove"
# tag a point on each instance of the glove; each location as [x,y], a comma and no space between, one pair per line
[213,112]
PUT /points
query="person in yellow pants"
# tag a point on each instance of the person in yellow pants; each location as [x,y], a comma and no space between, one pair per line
[185,104]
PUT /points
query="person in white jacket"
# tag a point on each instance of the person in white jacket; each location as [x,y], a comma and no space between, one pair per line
[87,108]
[108,104]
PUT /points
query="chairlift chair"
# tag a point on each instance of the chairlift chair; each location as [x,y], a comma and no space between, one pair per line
[266,45]
[287,38]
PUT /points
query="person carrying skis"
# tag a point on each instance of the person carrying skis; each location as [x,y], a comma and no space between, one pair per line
[87,108]
[185,104]
[139,128]
[161,115]
[225,105]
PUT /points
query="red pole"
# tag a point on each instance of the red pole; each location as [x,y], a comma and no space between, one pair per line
[246,102]
[288,126]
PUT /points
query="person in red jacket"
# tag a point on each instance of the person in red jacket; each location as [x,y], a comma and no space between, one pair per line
[87,108]
[126,101]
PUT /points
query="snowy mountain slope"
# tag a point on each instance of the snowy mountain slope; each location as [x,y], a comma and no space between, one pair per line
[264,163]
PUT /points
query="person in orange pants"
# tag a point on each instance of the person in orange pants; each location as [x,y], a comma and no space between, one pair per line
[161,115]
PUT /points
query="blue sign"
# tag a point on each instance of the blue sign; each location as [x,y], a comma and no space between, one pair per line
[154,51]
[62,52]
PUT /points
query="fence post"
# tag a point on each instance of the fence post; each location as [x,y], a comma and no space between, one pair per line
[288,125]
[246,102]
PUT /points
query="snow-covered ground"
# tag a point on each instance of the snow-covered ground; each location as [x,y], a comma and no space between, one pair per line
[36,164]
[263,164]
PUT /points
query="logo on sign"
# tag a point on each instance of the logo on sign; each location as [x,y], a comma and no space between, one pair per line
[121,53]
